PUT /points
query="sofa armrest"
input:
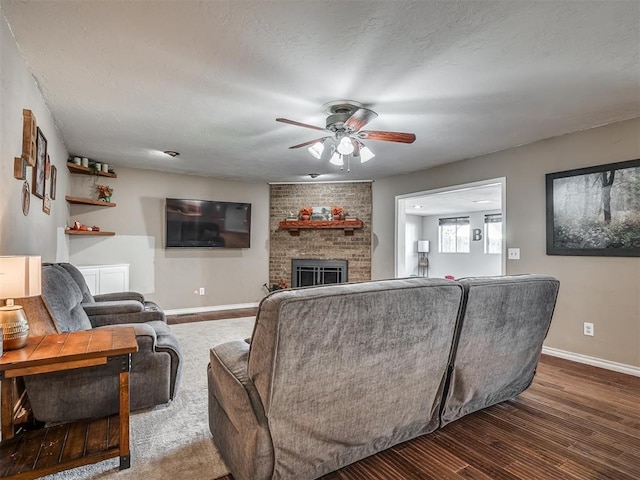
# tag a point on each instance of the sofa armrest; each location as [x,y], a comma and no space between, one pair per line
[229,383]
[107,317]
[106,297]
[112,307]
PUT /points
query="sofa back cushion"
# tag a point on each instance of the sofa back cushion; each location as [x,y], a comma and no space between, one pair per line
[64,299]
[347,370]
[80,281]
[499,340]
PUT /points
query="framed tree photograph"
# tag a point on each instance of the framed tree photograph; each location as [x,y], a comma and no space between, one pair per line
[39,171]
[595,210]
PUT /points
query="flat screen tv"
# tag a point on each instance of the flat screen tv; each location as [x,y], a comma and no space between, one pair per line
[207,224]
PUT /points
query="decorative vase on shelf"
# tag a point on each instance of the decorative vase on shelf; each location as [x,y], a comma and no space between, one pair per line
[305,218]
[105,199]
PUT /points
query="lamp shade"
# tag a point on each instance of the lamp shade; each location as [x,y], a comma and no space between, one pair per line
[345,147]
[20,277]
[316,150]
[423,246]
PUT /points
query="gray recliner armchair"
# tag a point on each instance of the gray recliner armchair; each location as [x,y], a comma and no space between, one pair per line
[118,307]
[92,392]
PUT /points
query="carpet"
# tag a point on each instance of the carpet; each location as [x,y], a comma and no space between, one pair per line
[174,441]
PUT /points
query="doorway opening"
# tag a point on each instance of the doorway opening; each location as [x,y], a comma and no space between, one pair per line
[461,227]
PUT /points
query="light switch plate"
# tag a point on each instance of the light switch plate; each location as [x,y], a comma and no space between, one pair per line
[514,254]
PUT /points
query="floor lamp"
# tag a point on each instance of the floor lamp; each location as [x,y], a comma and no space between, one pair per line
[423,258]
[19,278]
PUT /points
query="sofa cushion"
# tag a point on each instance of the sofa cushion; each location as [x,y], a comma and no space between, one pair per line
[64,299]
[87,297]
[345,371]
[499,340]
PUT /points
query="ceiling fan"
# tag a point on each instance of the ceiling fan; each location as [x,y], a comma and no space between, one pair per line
[344,135]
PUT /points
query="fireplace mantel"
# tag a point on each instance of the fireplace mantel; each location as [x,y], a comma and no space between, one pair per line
[294,226]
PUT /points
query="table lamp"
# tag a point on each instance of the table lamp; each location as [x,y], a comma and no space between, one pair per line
[20,276]
[423,260]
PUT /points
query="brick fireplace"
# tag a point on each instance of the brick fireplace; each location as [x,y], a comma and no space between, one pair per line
[320,244]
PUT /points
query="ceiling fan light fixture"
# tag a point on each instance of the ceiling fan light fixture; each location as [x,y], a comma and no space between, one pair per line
[336,159]
[316,149]
[343,132]
[345,147]
[366,154]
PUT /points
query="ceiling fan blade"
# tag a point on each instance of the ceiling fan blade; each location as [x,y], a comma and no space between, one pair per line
[387,136]
[360,118]
[310,142]
[293,122]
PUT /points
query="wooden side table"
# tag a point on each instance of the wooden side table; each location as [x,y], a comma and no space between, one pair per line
[34,453]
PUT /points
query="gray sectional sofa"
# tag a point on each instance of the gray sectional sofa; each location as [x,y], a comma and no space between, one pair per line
[334,374]
[92,392]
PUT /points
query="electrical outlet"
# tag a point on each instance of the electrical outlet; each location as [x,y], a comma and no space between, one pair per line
[201,290]
[514,254]
[588,329]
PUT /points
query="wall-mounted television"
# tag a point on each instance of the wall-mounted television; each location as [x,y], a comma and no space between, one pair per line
[207,224]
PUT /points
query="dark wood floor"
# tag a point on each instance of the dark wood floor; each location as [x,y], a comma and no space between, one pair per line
[574,422]
[218,315]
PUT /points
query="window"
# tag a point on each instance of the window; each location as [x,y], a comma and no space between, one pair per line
[454,235]
[493,233]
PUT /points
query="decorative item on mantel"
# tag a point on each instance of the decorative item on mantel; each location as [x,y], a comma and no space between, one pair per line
[104,192]
[337,213]
[305,213]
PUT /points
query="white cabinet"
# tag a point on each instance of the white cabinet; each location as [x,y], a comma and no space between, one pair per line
[106,278]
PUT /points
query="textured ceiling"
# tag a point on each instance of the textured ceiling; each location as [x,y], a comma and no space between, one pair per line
[462,200]
[124,80]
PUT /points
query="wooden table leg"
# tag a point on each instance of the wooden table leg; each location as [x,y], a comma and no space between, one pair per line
[7,408]
[125,454]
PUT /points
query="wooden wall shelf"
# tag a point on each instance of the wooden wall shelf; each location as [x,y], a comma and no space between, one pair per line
[88,201]
[68,231]
[73,168]
[294,226]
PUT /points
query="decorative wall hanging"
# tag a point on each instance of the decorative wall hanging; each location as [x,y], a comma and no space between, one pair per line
[54,180]
[19,168]
[595,210]
[26,198]
[46,205]
[321,213]
[39,178]
[29,135]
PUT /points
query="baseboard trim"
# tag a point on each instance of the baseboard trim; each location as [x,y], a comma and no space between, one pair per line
[183,311]
[593,361]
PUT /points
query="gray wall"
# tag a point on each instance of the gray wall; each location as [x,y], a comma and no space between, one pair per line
[601,290]
[229,276]
[168,276]
[35,234]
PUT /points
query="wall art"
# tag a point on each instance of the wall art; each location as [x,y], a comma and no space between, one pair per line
[19,168]
[595,210]
[54,180]
[39,172]
[46,205]
[29,135]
